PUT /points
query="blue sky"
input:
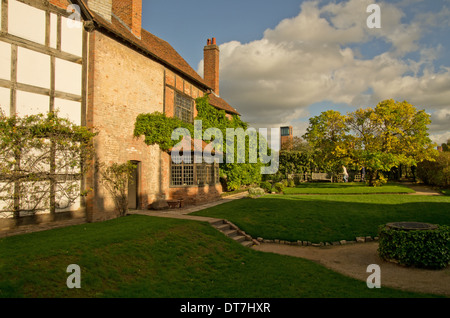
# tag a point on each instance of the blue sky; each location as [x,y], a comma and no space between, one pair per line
[285,61]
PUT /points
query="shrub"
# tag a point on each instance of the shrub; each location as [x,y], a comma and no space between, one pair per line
[115,179]
[420,248]
[291,184]
[279,187]
[379,182]
[256,192]
[266,185]
[437,172]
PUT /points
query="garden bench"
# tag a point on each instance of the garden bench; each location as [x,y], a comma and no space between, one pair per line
[173,204]
[321,177]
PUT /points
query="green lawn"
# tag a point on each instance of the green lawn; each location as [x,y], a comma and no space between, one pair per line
[328,218]
[140,256]
[345,188]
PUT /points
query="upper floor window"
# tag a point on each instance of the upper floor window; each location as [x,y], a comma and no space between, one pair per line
[184,108]
[285,131]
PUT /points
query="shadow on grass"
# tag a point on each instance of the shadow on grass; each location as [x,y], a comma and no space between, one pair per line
[328,218]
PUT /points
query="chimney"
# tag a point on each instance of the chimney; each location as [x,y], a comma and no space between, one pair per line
[102,7]
[211,64]
[130,13]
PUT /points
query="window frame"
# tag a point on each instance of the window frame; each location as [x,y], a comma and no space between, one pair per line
[203,174]
[180,108]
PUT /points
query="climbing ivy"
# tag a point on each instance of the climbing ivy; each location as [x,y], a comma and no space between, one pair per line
[157,129]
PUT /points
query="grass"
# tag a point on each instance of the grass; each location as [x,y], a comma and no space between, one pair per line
[328,218]
[140,256]
[346,188]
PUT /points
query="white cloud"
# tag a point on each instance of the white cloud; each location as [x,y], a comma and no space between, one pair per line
[314,57]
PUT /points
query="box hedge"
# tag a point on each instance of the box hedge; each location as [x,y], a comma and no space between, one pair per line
[419,248]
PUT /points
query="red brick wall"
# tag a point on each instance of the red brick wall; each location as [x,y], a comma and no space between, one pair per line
[130,12]
[122,85]
[60,3]
[177,83]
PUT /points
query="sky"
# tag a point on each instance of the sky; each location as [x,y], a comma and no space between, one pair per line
[284,61]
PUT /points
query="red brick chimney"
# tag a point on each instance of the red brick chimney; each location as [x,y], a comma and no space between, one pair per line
[211,64]
[130,12]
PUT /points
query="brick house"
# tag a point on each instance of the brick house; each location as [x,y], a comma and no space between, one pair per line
[100,69]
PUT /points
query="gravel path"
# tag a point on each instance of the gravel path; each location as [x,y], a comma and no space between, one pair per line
[352,260]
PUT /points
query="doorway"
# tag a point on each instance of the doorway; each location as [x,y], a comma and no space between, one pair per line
[133,187]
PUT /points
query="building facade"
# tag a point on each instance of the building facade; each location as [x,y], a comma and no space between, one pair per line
[286,137]
[93,62]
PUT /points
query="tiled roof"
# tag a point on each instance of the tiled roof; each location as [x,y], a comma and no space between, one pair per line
[221,104]
[158,50]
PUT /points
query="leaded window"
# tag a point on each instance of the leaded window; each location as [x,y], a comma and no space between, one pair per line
[194,174]
[184,108]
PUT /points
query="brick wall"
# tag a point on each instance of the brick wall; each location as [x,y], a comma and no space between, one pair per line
[130,12]
[60,3]
[122,85]
[101,7]
[175,83]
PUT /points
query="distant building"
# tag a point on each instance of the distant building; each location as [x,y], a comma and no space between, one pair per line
[286,137]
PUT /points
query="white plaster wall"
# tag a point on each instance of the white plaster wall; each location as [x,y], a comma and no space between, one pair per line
[71,36]
[69,109]
[5,60]
[68,77]
[31,104]
[26,21]
[53,30]
[5,94]
[33,68]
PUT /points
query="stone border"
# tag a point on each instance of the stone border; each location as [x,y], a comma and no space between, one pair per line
[260,240]
[360,239]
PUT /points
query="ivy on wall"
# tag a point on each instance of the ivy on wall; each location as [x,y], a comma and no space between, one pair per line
[157,129]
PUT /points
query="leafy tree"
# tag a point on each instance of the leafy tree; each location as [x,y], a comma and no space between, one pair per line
[446,146]
[392,134]
[328,136]
[296,144]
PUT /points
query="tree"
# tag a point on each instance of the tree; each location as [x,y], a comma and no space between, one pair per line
[389,135]
[42,161]
[446,146]
[328,136]
[296,144]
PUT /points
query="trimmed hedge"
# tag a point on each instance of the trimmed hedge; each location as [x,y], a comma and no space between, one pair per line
[420,248]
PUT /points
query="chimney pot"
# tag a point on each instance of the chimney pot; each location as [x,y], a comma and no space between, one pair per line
[214,41]
[208,42]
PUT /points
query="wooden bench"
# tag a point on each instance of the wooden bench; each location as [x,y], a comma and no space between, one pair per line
[315,176]
[173,204]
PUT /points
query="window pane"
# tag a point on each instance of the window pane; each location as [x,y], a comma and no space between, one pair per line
[177,175]
[285,131]
[188,174]
[184,108]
